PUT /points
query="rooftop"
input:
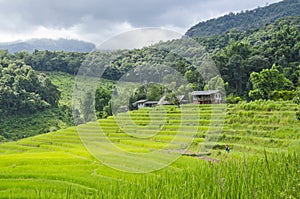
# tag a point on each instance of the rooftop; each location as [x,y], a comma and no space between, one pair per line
[209,92]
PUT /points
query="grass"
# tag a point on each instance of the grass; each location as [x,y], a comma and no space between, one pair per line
[21,126]
[263,163]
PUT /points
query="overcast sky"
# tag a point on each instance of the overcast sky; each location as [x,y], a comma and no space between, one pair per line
[98,20]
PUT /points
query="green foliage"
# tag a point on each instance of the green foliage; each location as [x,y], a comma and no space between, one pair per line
[298,115]
[233,64]
[246,20]
[154,91]
[102,100]
[239,53]
[263,105]
[236,54]
[296,98]
[194,79]
[88,107]
[264,143]
[151,91]
[282,95]
[270,84]
[68,62]
[2,139]
[65,84]
[171,97]
[16,127]
[24,91]
[216,83]
[232,99]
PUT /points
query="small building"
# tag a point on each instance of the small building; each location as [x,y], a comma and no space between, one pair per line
[150,103]
[144,103]
[207,97]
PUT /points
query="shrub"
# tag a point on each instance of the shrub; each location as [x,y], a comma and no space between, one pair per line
[298,115]
[233,100]
[282,95]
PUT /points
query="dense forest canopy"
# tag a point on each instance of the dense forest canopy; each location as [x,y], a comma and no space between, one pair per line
[236,54]
[23,90]
[260,63]
[239,55]
[246,20]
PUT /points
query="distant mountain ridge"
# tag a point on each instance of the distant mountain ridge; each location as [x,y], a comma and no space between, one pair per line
[67,45]
[246,20]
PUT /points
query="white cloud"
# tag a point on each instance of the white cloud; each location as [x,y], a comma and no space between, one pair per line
[138,38]
[99,20]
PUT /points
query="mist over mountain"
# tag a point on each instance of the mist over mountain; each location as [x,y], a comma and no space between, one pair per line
[67,45]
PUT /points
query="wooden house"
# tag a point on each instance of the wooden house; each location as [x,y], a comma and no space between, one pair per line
[207,97]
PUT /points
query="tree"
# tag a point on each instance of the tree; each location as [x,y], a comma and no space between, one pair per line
[102,98]
[88,107]
[265,83]
[297,101]
[171,97]
[154,91]
[216,83]
[256,63]
[23,91]
[194,78]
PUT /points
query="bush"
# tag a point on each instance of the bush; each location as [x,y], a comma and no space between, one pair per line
[282,95]
[233,100]
[2,139]
[16,127]
[298,115]
[296,98]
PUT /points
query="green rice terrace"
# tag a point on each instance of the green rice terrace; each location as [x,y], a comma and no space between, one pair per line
[264,161]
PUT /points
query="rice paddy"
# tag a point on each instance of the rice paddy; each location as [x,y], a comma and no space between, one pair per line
[263,162]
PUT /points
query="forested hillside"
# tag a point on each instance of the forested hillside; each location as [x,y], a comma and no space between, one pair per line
[99,141]
[262,63]
[237,54]
[246,20]
[29,101]
[24,91]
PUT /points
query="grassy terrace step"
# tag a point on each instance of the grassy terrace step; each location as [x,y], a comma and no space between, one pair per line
[273,142]
[282,132]
[57,165]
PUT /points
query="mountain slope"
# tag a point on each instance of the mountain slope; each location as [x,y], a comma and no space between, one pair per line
[239,53]
[48,44]
[246,20]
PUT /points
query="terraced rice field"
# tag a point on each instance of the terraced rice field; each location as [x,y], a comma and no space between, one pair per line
[263,163]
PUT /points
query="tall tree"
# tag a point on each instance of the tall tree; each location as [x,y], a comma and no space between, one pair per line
[266,82]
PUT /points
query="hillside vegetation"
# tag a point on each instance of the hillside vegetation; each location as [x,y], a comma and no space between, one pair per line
[103,155]
[236,54]
[29,103]
[246,20]
[258,64]
[263,163]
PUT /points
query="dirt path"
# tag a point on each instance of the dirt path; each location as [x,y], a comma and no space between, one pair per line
[200,156]
[212,160]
